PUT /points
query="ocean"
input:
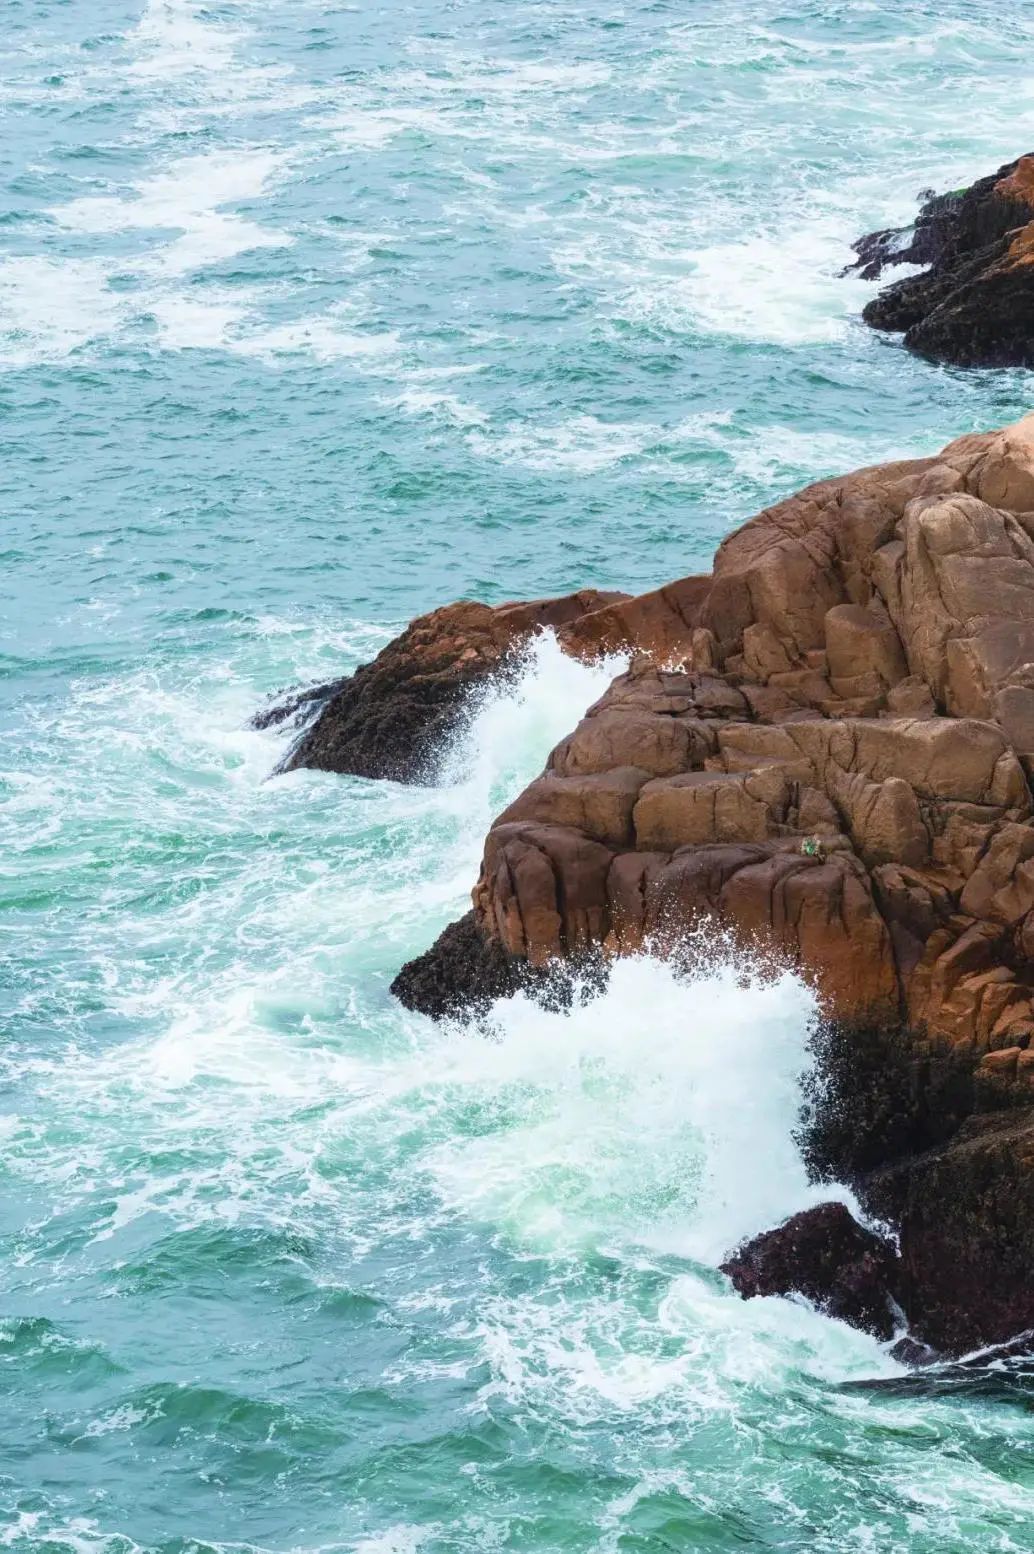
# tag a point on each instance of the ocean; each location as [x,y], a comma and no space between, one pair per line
[314,316]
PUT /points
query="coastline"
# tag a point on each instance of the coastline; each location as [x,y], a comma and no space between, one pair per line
[824,750]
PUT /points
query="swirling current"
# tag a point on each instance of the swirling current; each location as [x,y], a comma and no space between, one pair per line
[313,316]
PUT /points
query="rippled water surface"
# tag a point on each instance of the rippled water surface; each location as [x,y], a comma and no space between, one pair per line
[313,316]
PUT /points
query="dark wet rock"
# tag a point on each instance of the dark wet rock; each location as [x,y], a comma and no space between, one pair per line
[966,1218]
[921,243]
[393,717]
[974,304]
[462,974]
[826,1256]
[1000,1373]
[877,1095]
[297,708]
[913,1352]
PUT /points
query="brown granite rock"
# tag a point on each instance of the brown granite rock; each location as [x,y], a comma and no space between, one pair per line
[825,751]
[844,779]
[974,305]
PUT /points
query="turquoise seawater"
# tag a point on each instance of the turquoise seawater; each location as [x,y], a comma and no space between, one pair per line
[313,316]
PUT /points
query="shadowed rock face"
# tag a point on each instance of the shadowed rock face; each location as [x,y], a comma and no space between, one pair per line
[826,1256]
[829,759]
[966,1218]
[974,305]
[463,973]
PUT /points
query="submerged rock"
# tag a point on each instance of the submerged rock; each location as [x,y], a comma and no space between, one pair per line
[826,1256]
[394,716]
[823,750]
[974,304]
[911,1352]
[1000,1373]
[922,243]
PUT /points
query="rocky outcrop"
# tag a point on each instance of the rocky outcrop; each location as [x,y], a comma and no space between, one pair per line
[461,972]
[394,716]
[828,759]
[826,1256]
[974,305]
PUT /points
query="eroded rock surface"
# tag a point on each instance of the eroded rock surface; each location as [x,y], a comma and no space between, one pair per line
[829,759]
[394,716]
[974,305]
[826,1256]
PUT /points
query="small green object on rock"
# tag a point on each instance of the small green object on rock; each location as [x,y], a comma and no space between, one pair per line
[811,847]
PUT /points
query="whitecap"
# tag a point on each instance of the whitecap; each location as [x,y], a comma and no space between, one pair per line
[186,197]
[437,404]
[50,307]
[583,443]
[177,38]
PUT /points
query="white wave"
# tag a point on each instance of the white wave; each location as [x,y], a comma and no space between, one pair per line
[52,307]
[177,38]
[774,455]
[666,270]
[404,1538]
[650,1128]
[186,762]
[644,1114]
[439,405]
[783,288]
[324,336]
[366,127]
[187,197]
[77,1534]
[228,320]
[208,322]
[514,723]
[451,103]
[582,443]
[581,1358]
